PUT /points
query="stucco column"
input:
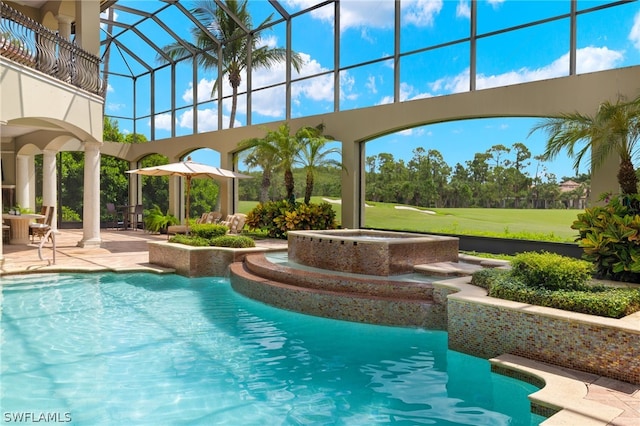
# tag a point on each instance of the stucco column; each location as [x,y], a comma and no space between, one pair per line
[64,26]
[23,182]
[88,26]
[64,31]
[91,211]
[49,182]
[228,196]
[352,191]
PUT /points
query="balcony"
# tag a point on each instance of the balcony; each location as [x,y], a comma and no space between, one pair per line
[25,41]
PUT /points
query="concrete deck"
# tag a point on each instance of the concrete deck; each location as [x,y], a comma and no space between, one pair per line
[127,251]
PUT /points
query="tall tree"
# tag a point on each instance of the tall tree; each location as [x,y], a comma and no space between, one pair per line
[314,154]
[265,159]
[228,41]
[614,129]
[283,146]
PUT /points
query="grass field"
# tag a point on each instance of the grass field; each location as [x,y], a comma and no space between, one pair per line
[541,225]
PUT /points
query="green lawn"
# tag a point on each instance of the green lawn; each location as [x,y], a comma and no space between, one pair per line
[545,225]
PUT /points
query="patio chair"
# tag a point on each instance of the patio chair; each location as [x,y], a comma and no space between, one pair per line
[6,233]
[137,217]
[39,229]
[227,221]
[113,215]
[237,223]
[183,229]
[213,217]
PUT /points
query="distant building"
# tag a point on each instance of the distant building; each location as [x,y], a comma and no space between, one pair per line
[573,194]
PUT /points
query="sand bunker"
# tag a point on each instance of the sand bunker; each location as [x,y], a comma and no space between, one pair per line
[414,209]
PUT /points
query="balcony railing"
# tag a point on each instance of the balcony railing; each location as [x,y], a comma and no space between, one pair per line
[27,42]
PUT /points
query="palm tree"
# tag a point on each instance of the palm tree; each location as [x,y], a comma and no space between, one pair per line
[283,147]
[615,128]
[231,31]
[313,155]
[265,159]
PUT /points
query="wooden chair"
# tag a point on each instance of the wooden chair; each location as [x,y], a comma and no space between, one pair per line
[39,229]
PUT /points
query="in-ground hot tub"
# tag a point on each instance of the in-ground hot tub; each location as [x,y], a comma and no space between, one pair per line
[369,252]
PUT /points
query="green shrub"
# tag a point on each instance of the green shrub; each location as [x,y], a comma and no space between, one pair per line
[208,230]
[551,271]
[484,277]
[606,302]
[610,238]
[233,241]
[190,240]
[610,302]
[156,221]
[522,284]
[276,218]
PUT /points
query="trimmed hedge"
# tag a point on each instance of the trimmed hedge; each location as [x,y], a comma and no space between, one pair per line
[212,235]
[233,241]
[536,279]
[190,240]
[552,271]
[208,230]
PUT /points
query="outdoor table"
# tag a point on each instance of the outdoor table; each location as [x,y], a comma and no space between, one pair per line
[19,233]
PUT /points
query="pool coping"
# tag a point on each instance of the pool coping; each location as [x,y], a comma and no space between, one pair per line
[563,395]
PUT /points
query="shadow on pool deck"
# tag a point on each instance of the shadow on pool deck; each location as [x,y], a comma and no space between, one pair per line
[127,251]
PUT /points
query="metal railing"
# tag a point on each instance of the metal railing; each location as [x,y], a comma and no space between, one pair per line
[50,235]
[29,43]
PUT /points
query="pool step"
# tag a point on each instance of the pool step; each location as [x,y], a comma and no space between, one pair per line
[466,266]
[332,296]
[378,286]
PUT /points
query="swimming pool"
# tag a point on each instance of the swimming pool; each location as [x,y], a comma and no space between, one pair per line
[150,349]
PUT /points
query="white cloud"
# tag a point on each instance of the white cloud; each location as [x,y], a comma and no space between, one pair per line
[347,83]
[204,91]
[374,14]
[634,34]
[105,15]
[421,13]
[588,59]
[463,10]
[207,120]
[385,100]
[371,84]
[163,121]
[495,3]
[269,102]
[115,107]
[407,93]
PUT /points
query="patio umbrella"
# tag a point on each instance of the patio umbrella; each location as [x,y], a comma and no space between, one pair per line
[188,170]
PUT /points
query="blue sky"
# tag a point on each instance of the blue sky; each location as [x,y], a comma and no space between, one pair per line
[606,39]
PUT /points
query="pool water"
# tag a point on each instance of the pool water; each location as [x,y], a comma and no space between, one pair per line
[114,349]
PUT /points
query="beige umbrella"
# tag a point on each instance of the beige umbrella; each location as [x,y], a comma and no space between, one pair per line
[188,170]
